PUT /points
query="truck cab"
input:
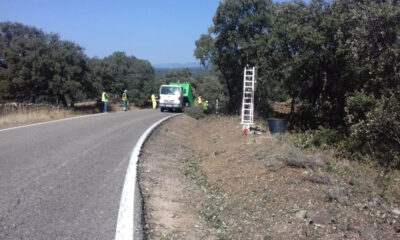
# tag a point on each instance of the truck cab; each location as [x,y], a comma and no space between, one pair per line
[188,98]
[171,98]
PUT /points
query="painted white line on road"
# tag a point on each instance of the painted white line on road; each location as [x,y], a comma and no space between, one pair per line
[59,120]
[125,224]
[52,121]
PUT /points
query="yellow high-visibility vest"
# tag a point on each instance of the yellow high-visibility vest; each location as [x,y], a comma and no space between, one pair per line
[104,97]
[205,106]
[124,97]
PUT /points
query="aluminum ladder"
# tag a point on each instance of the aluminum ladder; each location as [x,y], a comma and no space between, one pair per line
[248,97]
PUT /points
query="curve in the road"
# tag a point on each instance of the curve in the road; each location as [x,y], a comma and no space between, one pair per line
[125,224]
[63,179]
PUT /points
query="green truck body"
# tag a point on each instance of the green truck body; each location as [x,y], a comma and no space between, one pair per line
[187,93]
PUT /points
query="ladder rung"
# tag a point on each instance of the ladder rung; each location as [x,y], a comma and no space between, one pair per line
[248,96]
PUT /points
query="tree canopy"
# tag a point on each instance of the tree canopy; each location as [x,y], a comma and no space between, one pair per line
[40,67]
[339,58]
[319,52]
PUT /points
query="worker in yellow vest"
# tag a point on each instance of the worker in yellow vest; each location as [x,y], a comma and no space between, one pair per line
[153,100]
[104,99]
[199,100]
[205,107]
[125,99]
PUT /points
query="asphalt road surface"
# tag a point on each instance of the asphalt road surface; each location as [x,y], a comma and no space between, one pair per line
[63,179]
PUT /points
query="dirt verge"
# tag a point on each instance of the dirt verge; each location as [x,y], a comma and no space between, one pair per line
[204,179]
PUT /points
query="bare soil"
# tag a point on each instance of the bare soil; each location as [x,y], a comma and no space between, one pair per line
[205,179]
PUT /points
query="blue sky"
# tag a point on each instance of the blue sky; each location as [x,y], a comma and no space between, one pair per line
[161,31]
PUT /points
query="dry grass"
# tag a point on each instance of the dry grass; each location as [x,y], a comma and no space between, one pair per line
[92,104]
[28,117]
[263,187]
[15,114]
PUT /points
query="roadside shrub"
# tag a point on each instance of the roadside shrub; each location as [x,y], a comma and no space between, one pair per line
[379,134]
[357,105]
[325,137]
[321,137]
[303,140]
[195,112]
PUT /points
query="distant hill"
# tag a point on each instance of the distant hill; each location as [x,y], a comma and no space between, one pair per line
[196,71]
[177,65]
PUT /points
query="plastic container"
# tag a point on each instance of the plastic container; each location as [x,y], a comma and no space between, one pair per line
[276,125]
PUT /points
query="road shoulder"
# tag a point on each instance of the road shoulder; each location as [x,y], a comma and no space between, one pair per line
[171,201]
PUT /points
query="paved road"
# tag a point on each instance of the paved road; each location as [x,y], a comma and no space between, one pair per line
[63,180]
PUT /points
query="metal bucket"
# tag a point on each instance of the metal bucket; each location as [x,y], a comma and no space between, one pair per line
[276,125]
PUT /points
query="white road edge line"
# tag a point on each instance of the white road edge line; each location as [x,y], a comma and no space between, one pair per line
[125,224]
[52,121]
[58,120]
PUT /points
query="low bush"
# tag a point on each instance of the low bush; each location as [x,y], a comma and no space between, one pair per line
[195,112]
[374,131]
[326,137]
[379,134]
[357,105]
[321,137]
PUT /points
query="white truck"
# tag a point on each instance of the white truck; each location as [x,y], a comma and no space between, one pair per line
[171,98]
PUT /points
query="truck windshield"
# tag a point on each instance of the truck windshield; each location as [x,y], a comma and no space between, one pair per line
[171,90]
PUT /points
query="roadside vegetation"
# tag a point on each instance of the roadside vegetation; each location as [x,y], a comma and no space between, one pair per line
[37,67]
[335,62]
[18,114]
[259,186]
[24,117]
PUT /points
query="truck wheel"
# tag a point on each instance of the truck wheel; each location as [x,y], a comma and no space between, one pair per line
[161,109]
